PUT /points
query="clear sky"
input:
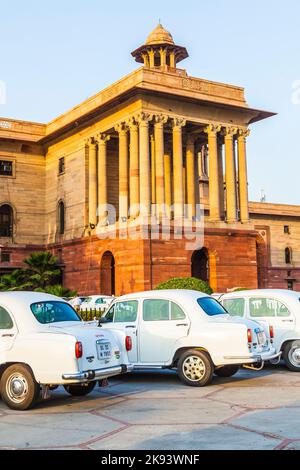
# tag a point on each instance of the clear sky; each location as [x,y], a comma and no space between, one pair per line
[55,54]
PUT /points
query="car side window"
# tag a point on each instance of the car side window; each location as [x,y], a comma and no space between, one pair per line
[99,301]
[282,310]
[156,310]
[235,307]
[262,307]
[126,312]
[176,312]
[109,317]
[6,322]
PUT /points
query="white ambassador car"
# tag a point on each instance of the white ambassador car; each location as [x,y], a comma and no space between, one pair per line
[189,331]
[44,343]
[280,309]
[96,302]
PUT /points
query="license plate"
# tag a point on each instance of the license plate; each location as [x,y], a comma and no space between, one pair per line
[261,336]
[103,350]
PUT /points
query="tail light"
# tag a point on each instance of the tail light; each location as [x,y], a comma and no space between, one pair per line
[249,335]
[128,343]
[271,332]
[78,350]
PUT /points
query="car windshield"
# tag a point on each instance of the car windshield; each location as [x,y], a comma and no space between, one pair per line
[54,312]
[211,306]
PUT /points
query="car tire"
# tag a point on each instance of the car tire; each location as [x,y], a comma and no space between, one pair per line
[227,371]
[18,388]
[79,390]
[291,355]
[195,368]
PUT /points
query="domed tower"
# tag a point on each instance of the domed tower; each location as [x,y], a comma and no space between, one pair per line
[160,51]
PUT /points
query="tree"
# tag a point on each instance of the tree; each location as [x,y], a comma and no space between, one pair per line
[60,291]
[189,283]
[13,281]
[42,270]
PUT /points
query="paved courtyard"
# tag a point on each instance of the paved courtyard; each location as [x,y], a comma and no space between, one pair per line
[155,411]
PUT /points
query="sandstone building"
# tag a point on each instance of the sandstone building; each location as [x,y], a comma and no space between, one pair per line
[157,136]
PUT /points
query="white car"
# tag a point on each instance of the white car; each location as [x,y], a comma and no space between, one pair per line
[280,309]
[96,302]
[44,343]
[189,331]
[76,301]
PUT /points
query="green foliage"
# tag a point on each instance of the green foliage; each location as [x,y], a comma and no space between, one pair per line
[189,283]
[41,274]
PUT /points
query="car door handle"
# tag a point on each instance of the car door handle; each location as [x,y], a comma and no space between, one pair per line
[130,326]
[7,335]
[182,324]
[287,321]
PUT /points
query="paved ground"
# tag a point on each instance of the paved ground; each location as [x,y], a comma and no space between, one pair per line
[155,411]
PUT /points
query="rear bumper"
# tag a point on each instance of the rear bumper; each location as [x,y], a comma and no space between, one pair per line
[98,374]
[252,358]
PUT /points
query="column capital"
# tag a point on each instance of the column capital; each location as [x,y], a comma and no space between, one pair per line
[102,138]
[229,132]
[121,127]
[212,129]
[243,133]
[90,141]
[144,118]
[132,123]
[178,123]
[160,119]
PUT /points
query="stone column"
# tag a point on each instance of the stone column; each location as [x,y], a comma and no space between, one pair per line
[152,151]
[151,58]
[230,177]
[178,167]
[243,179]
[145,181]
[221,177]
[159,163]
[168,183]
[92,181]
[123,171]
[214,189]
[102,174]
[190,176]
[134,169]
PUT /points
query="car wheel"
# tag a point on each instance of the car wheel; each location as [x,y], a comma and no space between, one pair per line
[79,390]
[195,368]
[291,355]
[227,371]
[18,387]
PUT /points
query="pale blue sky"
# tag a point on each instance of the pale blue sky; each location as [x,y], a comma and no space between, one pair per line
[55,54]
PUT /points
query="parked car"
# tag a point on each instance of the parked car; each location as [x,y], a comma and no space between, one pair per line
[44,343]
[189,331]
[280,309]
[76,301]
[97,302]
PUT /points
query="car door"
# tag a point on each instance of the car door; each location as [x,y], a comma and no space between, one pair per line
[8,332]
[274,312]
[162,324]
[124,316]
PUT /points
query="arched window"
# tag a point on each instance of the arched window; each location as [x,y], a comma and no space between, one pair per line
[6,221]
[61,218]
[288,255]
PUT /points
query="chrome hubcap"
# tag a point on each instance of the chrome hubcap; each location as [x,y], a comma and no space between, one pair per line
[193,368]
[294,356]
[17,387]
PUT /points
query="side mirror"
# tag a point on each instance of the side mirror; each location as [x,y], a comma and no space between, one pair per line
[102,320]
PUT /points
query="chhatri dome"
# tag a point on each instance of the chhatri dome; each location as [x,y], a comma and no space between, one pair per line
[160,51]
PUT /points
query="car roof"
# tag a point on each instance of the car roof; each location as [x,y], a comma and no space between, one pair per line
[94,296]
[282,293]
[174,294]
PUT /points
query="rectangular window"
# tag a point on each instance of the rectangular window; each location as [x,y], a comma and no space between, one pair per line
[5,257]
[156,310]
[6,168]
[235,307]
[287,229]
[61,165]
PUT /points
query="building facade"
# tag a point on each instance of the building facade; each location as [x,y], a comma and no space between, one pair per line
[157,143]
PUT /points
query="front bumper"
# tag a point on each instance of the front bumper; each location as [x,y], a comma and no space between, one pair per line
[253,358]
[98,374]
